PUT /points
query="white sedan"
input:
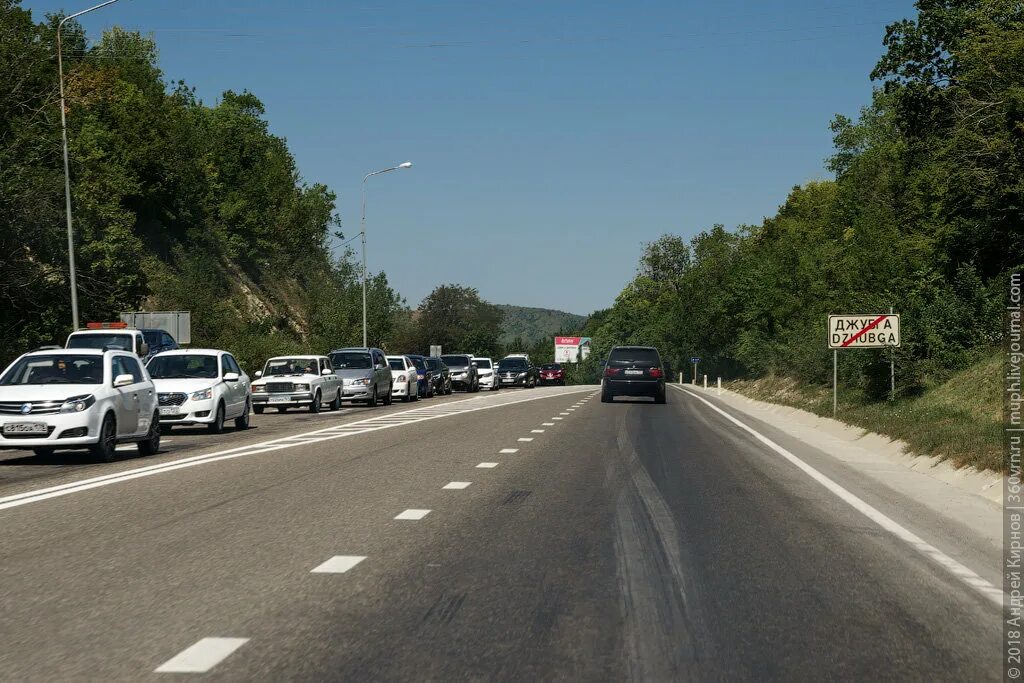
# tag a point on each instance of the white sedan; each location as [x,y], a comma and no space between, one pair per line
[78,398]
[200,387]
[405,379]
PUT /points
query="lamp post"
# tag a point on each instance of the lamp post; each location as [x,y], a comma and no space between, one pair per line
[362,233]
[67,174]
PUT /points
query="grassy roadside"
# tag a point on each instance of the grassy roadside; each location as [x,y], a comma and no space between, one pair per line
[959,420]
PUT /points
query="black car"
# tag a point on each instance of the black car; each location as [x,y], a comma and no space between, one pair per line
[516,371]
[633,371]
[442,375]
[463,372]
[158,341]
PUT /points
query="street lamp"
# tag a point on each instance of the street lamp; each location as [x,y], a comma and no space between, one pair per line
[67,174]
[362,233]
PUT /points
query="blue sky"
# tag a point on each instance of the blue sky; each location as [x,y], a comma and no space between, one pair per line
[550,139]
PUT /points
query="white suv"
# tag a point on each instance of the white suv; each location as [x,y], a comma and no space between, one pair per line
[486,372]
[78,398]
[405,379]
[296,382]
[200,386]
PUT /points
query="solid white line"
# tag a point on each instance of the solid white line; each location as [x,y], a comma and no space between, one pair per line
[536,431]
[487,465]
[412,514]
[201,657]
[965,574]
[456,485]
[509,450]
[327,433]
[339,564]
[526,438]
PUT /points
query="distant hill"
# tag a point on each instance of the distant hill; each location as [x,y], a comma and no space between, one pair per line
[533,324]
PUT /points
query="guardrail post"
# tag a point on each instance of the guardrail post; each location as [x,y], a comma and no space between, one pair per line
[719,386]
[705,381]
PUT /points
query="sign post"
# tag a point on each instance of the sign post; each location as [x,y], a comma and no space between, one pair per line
[870,331]
[695,360]
[435,350]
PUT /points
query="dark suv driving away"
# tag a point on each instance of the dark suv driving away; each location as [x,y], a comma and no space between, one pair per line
[633,371]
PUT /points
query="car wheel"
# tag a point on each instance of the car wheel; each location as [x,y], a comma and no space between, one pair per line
[43,451]
[315,406]
[336,403]
[258,410]
[281,409]
[606,397]
[242,421]
[217,426]
[372,401]
[106,448]
[389,399]
[151,445]
[414,392]
[660,397]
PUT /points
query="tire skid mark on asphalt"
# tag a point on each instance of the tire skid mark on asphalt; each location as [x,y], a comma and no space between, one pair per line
[324,434]
[966,575]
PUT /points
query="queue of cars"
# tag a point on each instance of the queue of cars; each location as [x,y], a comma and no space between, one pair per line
[111,385]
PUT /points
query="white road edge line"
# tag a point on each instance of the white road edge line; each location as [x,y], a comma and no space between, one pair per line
[965,574]
[202,656]
[327,433]
[339,564]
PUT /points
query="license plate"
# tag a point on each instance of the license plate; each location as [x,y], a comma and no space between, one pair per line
[169,410]
[280,399]
[507,381]
[25,428]
[634,372]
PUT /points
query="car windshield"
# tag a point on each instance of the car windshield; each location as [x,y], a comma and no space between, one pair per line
[482,362]
[418,362]
[55,369]
[456,361]
[552,366]
[433,363]
[99,341]
[152,337]
[512,364]
[396,363]
[290,366]
[183,367]
[628,356]
[351,360]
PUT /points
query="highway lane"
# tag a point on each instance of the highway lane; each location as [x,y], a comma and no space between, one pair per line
[623,542]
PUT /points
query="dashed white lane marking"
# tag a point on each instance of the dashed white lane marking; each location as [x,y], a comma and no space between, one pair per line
[509,450]
[563,413]
[571,410]
[487,465]
[558,418]
[371,424]
[536,431]
[965,574]
[547,424]
[412,514]
[526,438]
[339,564]
[201,657]
[457,485]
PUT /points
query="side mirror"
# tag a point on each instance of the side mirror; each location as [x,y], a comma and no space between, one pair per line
[326,372]
[258,374]
[123,380]
[230,376]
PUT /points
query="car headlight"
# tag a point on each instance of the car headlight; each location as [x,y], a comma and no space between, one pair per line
[259,388]
[77,404]
[401,378]
[522,374]
[203,395]
[362,381]
[301,387]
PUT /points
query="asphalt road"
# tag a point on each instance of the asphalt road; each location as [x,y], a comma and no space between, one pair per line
[628,541]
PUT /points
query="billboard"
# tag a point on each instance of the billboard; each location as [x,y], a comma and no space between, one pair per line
[178,324]
[866,331]
[571,349]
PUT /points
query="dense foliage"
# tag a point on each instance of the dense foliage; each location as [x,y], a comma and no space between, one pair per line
[523,325]
[177,206]
[925,215]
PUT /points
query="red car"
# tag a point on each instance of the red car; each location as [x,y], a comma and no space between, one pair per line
[552,373]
